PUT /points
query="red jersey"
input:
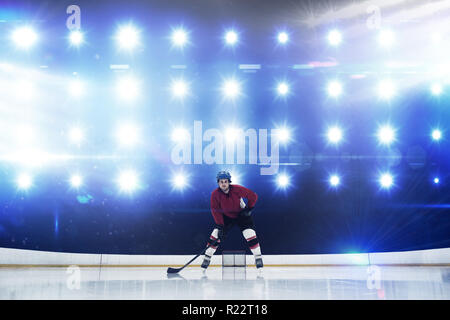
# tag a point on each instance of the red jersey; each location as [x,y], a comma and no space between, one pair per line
[229,203]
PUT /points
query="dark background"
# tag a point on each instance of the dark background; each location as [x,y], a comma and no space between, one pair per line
[308,216]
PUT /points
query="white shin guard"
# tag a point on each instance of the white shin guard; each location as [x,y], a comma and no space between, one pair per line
[211,250]
[250,236]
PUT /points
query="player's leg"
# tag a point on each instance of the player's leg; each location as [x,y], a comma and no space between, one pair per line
[248,230]
[214,242]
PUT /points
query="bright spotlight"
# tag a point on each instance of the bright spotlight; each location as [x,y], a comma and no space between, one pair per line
[24,37]
[179,181]
[282,180]
[386,38]
[127,135]
[386,135]
[283,89]
[436,134]
[386,89]
[76,181]
[334,89]
[24,181]
[179,37]
[24,90]
[386,180]
[334,180]
[283,135]
[76,135]
[76,88]
[179,134]
[231,38]
[25,134]
[235,177]
[128,181]
[232,134]
[179,88]
[283,37]
[436,180]
[436,89]
[127,89]
[127,37]
[436,38]
[334,135]
[76,38]
[231,89]
[334,37]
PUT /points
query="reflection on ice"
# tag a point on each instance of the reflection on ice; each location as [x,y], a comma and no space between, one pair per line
[325,282]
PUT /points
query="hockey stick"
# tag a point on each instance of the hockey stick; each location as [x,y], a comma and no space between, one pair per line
[176,270]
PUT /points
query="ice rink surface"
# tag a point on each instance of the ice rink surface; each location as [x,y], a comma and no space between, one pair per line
[274,283]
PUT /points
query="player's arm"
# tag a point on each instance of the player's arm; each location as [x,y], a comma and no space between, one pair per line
[217,214]
[251,196]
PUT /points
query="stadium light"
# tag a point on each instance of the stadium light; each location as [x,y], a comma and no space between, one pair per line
[24,37]
[24,181]
[334,37]
[231,38]
[76,38]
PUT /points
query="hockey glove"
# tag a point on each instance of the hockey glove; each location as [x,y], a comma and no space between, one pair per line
[220,231]
[246,212]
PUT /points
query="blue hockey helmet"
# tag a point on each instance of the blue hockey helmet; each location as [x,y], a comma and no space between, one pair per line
[223,175]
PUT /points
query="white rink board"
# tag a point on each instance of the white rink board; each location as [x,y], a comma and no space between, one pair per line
[33,257]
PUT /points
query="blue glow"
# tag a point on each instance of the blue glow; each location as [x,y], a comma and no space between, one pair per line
[436,134]
[128,181]
[334,180]
[231,38]
[334,37]
[128,88]
[334,89]
[386,135]
[386,89]
[84,199]
[386,181]
[386,38]
[127,37]
[231,89]
[179,37]
[232,134]
[283,181]
[128,135]
[56,223]
[283,134]
[24,37]
[76,88]
[24,181]
[179,134]
[180,181]
[334,135]
[283,37]
[76,135]
[179,88]
[76,38]
[79,108]
[76,181]
[282,89]
[436,89]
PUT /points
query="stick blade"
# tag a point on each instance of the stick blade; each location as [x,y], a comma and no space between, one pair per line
[173,270]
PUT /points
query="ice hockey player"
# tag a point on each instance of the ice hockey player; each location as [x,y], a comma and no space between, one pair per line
[229,209]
